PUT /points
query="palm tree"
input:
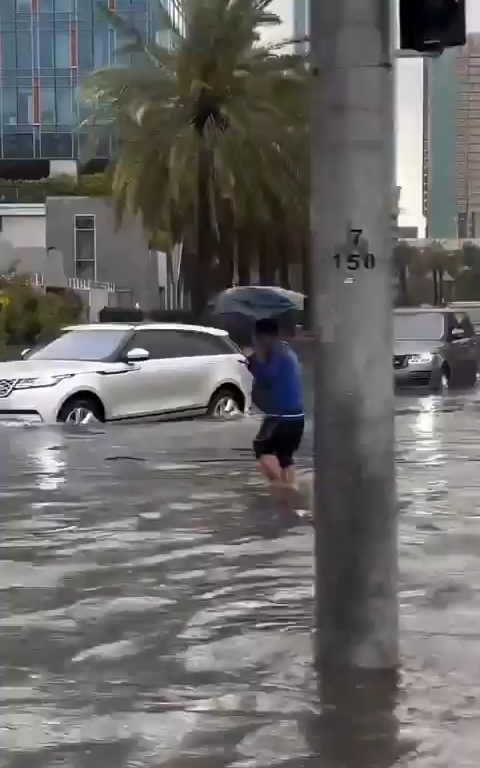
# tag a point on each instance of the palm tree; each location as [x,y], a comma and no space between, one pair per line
[214,127]
[436,257]
[403,257]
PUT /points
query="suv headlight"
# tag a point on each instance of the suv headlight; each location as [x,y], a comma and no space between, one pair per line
[41,381]
[422,357]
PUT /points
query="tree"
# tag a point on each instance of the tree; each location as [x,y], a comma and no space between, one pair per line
[445,266]
[214,129]
[87,185]
[470,254]
[404,256]
[467,279]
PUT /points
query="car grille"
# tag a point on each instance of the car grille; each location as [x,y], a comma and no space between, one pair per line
[6,386]
[399,361]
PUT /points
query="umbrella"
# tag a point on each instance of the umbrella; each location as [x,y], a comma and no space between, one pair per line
[256,302]
[236,310]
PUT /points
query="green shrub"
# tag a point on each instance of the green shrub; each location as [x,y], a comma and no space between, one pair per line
[89,185]
[27,313]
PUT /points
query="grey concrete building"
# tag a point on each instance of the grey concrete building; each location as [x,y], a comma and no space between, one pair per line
[94,249]
[72,242]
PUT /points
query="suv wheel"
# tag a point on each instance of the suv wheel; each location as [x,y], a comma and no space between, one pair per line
[225,403]
[80,410]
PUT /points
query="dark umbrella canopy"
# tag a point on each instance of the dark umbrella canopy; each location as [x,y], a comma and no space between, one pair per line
[236,310]
[256,302]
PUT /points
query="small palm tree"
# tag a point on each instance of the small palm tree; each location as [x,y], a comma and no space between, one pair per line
[436,258]
[403,258]
[215,127]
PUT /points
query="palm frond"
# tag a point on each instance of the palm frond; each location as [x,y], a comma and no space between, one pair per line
[219,88]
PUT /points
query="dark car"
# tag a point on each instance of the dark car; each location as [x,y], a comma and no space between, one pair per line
[472,308]
[435,348]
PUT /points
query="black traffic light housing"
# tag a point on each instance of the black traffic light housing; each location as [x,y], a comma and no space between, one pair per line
[430,26]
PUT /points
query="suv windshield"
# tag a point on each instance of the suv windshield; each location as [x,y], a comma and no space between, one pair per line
[419,326]
[92,345]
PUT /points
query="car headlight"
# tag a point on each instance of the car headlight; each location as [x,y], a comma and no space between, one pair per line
[422,357]
[41,381]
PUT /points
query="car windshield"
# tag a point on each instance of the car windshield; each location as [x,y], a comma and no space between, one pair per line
[92,345]
[418,326]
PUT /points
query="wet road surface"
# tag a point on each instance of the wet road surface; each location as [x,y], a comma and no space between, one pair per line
[156,609]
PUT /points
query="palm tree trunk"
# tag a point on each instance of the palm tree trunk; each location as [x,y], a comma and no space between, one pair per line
[226,252]
[262,261]
[283,250]
[306,284]
[200,288]
[266,260]
[403,284]
[243,257]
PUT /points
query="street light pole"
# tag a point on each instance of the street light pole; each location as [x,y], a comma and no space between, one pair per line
[352,183]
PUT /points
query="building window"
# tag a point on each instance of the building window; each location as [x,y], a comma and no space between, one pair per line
[47,105]
[25,105]
[65,109]
[24,50]
[62,49]
[85,247]
[17,145]
[56,145]
[9,50]
[85,52]
[9,106]
[47,45]
[101,53]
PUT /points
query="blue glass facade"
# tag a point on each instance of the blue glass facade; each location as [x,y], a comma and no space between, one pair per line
[46,47]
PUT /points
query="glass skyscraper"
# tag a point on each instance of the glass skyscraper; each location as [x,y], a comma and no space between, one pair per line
[46,48]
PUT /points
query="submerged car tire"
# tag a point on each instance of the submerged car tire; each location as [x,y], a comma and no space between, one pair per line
[226,402]
[81,409]
[441,384]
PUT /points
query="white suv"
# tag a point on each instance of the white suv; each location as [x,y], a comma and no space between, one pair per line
[115,372]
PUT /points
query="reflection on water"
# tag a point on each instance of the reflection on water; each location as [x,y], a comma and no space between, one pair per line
[50,468]
[425,421]
[156,606]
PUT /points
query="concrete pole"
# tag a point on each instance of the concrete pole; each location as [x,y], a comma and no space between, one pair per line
[352,180]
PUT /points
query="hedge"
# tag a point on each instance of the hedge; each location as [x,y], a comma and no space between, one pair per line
[88,185]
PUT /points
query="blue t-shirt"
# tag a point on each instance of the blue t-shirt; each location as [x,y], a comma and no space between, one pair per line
[280,380]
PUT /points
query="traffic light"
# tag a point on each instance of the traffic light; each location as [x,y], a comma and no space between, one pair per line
[430,26]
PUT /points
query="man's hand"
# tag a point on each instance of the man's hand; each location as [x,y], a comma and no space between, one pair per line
[260,354]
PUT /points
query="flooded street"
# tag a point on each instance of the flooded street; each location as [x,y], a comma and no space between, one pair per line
[156,609]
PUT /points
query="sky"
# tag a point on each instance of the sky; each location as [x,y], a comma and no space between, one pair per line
[409,117]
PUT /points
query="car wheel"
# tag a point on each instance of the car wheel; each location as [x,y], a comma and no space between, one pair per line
[80,410]
[225,403]
[441,383]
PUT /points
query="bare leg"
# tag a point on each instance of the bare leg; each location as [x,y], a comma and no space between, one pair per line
[270,468]
[289,477]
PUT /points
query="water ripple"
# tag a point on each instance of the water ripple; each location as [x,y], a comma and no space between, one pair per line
[157,607]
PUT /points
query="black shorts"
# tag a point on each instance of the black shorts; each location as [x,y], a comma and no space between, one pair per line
[280,438]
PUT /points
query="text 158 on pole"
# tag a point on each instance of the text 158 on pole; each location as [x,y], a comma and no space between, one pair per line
[354,261]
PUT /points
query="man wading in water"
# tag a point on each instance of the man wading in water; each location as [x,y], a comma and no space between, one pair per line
[277,375]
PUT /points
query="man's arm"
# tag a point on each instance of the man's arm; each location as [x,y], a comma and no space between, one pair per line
[263,371]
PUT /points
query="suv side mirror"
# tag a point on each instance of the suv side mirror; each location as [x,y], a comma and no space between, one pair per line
[137,355]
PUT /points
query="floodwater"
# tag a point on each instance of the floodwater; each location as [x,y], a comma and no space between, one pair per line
[156,609]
